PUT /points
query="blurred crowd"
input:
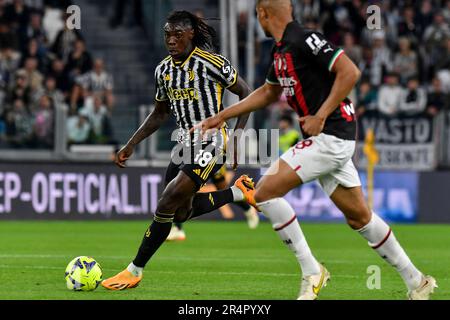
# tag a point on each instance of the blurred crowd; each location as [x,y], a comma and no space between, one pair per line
[46,68]
[405,65]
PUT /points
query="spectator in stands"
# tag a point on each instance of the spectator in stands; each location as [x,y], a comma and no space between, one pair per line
[366,100]
[19,89]
[405,61]
[338,20]
[413,98]
[353,50]
[34,52]
[57,72]
[78,129]
[17,15]
[79,61]
[446,11]
[65,41]
[43,128]
[424,17]
[97,81]
[35,31]
[443,57]
[407,26]
[389,95]
[19,125]
[382,58]
[9,62]
[306,9]
[97,113]
[52,21]
[289,136]
[366,64]
[436,32]
[34,77]
[8,38]
[437,100]
[50,90]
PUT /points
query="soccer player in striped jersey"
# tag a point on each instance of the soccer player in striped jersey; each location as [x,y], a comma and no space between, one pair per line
[190,84]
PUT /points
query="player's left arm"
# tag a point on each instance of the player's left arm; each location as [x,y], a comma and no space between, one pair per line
[242,90]
[327,57]
[347,75]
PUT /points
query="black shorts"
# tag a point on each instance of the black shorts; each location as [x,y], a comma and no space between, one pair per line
[203,164]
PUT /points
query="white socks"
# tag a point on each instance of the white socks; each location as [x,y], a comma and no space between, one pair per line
[382,240]
[284,221]
[136,271]
[238,195]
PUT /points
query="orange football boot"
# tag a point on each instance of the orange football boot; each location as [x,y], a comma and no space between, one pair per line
[247,186]
[121,281]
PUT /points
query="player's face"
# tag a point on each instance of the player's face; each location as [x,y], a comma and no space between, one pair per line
[178,39]
[263,20]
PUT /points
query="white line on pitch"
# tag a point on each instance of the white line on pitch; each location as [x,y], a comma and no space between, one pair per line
[178,258]
[268,274]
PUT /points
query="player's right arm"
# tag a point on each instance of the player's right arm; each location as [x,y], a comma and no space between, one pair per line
[152,123]
[258,99]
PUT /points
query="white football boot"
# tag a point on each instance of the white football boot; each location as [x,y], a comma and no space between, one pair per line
[252,218]
[425,289]
[311,285]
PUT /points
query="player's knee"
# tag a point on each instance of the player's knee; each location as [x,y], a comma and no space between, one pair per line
[262,195]
[359,220]
[182,215]
[168,202]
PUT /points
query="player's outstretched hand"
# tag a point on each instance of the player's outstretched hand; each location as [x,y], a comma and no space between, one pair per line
[123,155]
[312,125]
[211,123]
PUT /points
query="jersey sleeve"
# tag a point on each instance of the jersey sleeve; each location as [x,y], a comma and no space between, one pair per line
[161,93]
[224,72]
[320,50]
[271,77]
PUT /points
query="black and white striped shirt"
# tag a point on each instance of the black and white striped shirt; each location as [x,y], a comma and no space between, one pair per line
[194,88]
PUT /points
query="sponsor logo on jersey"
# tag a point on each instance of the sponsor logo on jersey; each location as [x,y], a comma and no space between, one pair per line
[316,44]
[347,111]
[183,94]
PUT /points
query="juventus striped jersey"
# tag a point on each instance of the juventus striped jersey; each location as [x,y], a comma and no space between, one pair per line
[194,88]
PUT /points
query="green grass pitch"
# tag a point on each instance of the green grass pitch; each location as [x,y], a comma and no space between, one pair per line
[219,260]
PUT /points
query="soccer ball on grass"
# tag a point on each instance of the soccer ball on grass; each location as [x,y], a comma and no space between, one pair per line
[83,274]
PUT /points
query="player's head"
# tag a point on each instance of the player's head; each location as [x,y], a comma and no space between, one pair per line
[184,30]
[270,12]
[285,122]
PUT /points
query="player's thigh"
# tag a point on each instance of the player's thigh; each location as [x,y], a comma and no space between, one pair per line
[278,180]
[171,172]
[181,189]
[314,157]
[350,200]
